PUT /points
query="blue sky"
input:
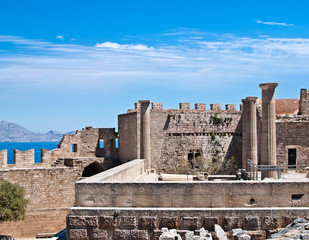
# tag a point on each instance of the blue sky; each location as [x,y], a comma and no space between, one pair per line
[65,65]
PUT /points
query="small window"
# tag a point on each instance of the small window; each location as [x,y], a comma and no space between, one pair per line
[74,147]
[292,157]
[117,144]
[101,144]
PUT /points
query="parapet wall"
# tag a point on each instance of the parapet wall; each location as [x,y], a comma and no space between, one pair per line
[193,194]
[50,192]
[126,172]
[84,143]
[138,210]
[215,107]
[21,159]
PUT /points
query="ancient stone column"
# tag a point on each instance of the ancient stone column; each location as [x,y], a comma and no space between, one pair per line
[268,148]
[145,132]
[244,132]
[249,131]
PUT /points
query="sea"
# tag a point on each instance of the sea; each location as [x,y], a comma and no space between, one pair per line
[23,146]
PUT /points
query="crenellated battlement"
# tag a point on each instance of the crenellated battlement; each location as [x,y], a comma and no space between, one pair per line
[21,159]
[198,107]
[88,142]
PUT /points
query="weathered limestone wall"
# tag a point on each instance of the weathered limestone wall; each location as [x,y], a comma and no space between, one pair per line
[22,159]
[145,223]
[87,145]
[125,172]
[216,134]
[292,132]
[50,192]
[158,126]
[3,159]
[129,136]
[43,185]
[36,221]
[192,194]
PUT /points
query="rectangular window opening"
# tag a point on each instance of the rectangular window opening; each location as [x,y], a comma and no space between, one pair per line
[101,143]
[74,147]
[296,197]
[117,144]
[292,157]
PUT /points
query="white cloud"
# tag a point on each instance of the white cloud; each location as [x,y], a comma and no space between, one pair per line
[111,65]
[124,46]
[60,37]
[275,23]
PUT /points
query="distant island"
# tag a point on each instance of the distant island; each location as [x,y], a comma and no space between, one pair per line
[12,132]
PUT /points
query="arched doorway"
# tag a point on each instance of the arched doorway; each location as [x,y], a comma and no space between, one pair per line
[93,169]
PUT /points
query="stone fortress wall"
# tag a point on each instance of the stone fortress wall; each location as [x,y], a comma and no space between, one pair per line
[219,136]
[109,207]
[50,185]
[175,133]
[166,138]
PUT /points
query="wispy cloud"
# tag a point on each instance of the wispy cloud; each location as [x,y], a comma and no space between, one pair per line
[275,23]
[112,65]
[60,37]
[124,46]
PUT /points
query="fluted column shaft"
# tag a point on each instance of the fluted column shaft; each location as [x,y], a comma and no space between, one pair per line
[249,131]
[268,149]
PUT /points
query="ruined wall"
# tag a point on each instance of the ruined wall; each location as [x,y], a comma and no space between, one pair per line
[87,145]
[50,193]
[214,133]
[21,159]
[292,133]
[145,224]
[50,185]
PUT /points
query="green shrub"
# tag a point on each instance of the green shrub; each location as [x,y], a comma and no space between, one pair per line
[12,202]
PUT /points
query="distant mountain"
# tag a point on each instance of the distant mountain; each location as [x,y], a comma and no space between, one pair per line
[12,132]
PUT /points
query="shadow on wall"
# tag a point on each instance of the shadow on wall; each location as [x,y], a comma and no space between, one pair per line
[93,169]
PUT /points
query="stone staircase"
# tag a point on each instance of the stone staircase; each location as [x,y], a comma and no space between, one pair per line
[58,163]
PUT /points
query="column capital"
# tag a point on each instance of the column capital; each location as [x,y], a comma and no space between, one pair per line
[144,101]
[249,99]
[268,86]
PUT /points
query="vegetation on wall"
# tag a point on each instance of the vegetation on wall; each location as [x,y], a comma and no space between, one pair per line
[218,121]
[12,202]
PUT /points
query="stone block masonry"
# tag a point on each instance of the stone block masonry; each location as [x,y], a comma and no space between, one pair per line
[292,134]
[50,193]
[145,223]
[215,134]
[50,185]
[85,143]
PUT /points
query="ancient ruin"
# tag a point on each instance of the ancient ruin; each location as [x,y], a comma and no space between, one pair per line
[135,199]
